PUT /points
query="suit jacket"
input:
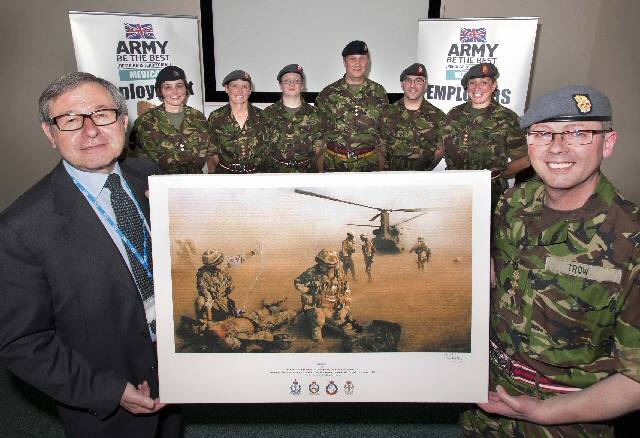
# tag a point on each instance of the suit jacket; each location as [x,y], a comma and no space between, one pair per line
[72,321]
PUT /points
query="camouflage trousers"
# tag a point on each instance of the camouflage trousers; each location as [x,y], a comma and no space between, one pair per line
[477,423]
[368,262]
[334,318]
[217,309]
[348,265]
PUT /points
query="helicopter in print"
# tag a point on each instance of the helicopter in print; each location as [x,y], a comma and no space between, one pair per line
[386,235]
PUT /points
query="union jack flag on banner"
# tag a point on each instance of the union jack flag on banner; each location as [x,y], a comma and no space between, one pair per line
[134,31]
[473,35]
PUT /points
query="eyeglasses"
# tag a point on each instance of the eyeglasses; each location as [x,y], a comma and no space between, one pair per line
[415,81]
[73,122]
[577,137]
[291,82]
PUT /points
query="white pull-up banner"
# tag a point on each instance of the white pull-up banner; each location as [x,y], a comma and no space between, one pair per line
[449,47]
[130,49]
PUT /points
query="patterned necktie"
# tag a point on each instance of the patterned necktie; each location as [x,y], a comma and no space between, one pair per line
[132,226]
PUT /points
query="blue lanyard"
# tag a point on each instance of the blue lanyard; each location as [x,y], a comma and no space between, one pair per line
[143,259]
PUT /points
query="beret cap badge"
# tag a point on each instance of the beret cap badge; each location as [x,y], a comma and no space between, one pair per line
[583,103]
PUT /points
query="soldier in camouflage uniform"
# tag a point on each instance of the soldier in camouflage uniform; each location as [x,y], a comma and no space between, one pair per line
[294,127]
[422,251]
[347,249]
[252,332]
[173,135]
[368,251]
[482,134]
[214,285]
[411,128]
[564,324]
[326,296]
[239,131]
[350,110]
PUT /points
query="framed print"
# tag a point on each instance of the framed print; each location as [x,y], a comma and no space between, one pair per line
[322,287]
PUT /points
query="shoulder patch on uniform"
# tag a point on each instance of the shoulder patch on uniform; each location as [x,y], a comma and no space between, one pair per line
[582,270]
[583,103]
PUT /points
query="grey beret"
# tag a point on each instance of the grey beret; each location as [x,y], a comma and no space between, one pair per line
[235,75]
[416,69]
[355,48]
[575,102]
[291,68]
[484,70]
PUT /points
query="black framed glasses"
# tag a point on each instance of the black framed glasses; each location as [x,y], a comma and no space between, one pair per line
[414,81]
[291,81]
[73,122]
[576,137]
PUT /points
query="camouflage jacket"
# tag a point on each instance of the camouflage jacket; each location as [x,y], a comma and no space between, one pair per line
[421,249]
[566,302]
[368,250]
[348,247]
[213,283]
[294,140]
[324,290]
[240,150]
[350,124]
[183,150]
[410,139]
[485,141]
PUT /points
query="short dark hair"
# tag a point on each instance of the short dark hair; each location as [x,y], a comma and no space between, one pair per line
[68,82]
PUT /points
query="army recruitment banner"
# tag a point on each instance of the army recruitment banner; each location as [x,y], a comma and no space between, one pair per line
[449,47]
[256,302]
[130,49]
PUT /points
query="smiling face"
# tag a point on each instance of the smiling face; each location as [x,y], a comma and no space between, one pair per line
[356,68]
[238,91]
[91,148]
[414,88]
[480,91]
[570,172]
[174,93]
[291,84]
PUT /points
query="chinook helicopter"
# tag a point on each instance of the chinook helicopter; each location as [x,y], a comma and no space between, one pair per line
[386,236]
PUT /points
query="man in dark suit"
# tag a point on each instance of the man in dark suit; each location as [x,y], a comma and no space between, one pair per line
[77,313]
